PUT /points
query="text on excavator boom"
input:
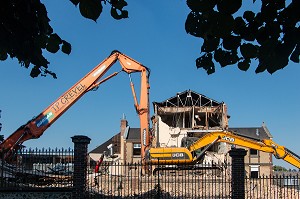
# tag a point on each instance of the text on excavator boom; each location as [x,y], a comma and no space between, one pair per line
[35,128]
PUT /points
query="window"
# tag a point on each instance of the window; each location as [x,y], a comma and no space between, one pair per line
[254,171]
[136,149]
[253,152]
[254,174]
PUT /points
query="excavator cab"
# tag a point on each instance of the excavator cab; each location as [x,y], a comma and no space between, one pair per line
[186,142]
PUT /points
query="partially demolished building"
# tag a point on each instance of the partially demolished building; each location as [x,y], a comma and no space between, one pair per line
[187,112]
[189,115]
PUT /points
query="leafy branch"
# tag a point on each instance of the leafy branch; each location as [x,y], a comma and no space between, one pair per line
[270,36]
[26,34]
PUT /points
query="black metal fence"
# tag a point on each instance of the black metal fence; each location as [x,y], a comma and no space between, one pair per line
[53,169]
[201,181]
[283,185]
[37,168]
[130,181]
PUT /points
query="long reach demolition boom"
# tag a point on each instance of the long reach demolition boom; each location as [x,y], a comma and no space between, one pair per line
[34,128]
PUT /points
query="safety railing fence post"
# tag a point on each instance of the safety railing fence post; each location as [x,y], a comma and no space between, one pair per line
[158,182]
[80,166]
[238,173]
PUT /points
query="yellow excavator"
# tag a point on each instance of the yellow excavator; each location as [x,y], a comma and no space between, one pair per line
[194,152]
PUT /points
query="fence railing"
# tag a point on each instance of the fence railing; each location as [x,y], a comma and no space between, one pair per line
[129,180]
[37,168]
[184,181]
[53,169]
[276,186]
[201,181]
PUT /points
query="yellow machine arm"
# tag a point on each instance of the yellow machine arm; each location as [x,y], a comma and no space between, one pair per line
[185,155]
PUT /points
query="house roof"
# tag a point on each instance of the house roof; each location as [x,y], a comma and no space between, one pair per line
[134,135]
[103,147]
[188,98]
[256,133]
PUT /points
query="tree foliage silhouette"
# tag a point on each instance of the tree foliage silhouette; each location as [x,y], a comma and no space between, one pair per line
[271,36]
[25,32]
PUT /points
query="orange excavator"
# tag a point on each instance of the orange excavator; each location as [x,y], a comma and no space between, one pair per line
[34,128]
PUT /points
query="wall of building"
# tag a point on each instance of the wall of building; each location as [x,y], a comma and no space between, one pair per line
[262,160]
[129,152]
[167,136]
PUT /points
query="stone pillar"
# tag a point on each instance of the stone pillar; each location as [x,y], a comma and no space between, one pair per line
[80,165]
[238,173]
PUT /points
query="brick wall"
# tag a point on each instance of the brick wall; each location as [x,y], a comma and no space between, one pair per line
[238,173]
[80,166]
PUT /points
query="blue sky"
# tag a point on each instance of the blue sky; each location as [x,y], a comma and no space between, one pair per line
[154,35]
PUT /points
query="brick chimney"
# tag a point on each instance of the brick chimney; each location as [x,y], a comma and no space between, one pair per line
[124,124]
